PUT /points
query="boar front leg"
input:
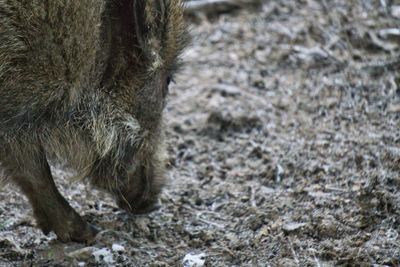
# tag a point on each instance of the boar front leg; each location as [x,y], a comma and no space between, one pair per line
[27,166]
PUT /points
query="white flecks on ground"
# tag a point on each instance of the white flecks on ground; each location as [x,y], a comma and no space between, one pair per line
[83,253]
[194,260]
[396,11]
[117,248]
[104,256]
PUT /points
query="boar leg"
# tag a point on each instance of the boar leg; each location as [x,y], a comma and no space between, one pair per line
[31,172]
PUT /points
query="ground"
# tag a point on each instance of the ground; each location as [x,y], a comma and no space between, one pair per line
[283,140]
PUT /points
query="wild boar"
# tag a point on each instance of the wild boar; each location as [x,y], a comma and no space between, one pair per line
[86,80]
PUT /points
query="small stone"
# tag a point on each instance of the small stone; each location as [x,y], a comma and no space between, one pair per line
[394,108]
[232,237]
[83,253]
[391,33]
[142,225]
[194,260]
[290,227]
[396,11]
[104,255]
[329,228]
[232,163]
[117,248]
[330,102]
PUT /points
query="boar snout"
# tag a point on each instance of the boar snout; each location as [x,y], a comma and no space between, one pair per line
[139,195]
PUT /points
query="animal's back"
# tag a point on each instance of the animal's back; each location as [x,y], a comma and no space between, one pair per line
[47,55]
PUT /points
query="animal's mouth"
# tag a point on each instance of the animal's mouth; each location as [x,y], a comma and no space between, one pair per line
[138,198]
[140,207]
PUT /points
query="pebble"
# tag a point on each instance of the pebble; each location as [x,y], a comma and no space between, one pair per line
[194,260]
[142,225]
[104,255]
[390,33]
[290,227]
[394,108]
[83,253]
[396,11]
[117,248]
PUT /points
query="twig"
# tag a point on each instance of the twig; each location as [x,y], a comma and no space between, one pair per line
[315,257]
[293,252]
[217,6]
[381,65]
[252,197]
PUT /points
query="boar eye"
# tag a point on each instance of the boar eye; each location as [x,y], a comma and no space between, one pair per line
[166,84]
[170,79]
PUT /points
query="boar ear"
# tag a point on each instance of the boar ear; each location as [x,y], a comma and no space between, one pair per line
[127,21]
[124,31]
[139,13]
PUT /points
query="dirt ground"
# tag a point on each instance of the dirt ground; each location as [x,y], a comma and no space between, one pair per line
[283,136]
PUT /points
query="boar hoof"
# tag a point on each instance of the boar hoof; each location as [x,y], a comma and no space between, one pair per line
[76,230]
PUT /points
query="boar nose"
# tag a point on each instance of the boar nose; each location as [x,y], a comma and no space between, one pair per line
[143,208]
[146,208]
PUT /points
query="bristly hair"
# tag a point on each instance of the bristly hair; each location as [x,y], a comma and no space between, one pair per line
[176,36]
[154,36]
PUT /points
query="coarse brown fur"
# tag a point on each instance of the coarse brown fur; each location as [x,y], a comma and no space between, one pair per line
[86,80]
